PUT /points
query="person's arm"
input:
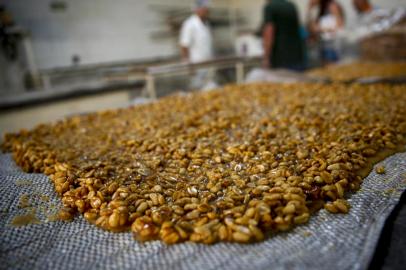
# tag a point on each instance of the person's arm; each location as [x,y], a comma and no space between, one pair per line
[185,41]
[268,35]
[314,27]
[336,11]
[311,19]
[184,52]
[268,40]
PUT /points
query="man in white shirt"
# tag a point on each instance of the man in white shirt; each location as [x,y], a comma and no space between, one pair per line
[196,44]
[195,36]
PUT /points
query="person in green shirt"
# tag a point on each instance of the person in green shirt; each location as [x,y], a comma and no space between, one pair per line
[283,45]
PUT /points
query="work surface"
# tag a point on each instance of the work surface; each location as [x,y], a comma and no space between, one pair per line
[327,242]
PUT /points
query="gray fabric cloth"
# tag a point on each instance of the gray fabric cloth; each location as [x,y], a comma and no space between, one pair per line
[327,242]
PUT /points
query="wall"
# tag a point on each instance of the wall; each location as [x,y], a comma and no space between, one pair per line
[96,30]
[252,12]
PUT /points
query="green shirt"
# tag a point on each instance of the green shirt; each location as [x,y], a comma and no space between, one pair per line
[287,51]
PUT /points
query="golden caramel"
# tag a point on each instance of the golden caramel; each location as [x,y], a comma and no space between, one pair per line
[358,70]
[227,165]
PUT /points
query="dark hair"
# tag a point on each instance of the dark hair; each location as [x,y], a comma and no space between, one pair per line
[324,6]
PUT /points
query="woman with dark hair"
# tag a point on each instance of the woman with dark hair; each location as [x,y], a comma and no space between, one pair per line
[329,25]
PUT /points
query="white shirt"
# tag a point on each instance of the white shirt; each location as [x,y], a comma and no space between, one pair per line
[328,25]
[196,36]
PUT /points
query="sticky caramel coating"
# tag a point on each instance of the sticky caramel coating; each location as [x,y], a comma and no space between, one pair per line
[228,165]
[358,70]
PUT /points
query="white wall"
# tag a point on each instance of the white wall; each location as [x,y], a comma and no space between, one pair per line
[251,10]
[96,30]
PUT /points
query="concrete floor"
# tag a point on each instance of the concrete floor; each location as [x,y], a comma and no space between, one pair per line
[29,116]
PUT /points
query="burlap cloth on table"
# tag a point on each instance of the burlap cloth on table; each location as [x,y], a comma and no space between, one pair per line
[327,242]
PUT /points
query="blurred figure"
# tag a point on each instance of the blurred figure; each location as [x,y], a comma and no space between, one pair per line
[196,44]
[11,69]
[283,46]
[8,40]
[195,36]
[372,19]
[329,26]
[312,42]
[312,14]
[362,6]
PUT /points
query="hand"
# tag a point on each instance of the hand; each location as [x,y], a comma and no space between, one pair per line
[313,3]
[266,64]
[184,59]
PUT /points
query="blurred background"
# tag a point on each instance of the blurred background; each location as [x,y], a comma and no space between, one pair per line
[61,58]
